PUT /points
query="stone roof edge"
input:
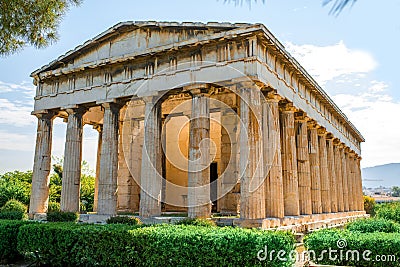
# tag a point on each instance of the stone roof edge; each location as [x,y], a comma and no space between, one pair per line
[109,32]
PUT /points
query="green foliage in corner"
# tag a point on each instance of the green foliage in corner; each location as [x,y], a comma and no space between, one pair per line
[390,211]
[372,225]
[8,241]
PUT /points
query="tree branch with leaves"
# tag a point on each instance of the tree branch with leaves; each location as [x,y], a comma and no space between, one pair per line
[30,22]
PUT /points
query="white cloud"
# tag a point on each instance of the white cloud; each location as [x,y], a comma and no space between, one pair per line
[15,113]
[24,87]
[325,63]
[375,114]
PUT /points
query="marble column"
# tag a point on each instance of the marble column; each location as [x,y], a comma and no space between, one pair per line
[151,170]
[314,168]
[351,182]
[360,205]
[274,202]
[42,164]
[332,173]
[71,179]
[303,165]
[230,188]
[252,187]
[323,168]
[344,156]
[107,197]
[289,162]
[339,175]
[99,129]
[199,156]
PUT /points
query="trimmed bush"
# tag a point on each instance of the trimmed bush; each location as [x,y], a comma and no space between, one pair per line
[13,210]
[67,244]
[53,206]
[12,215]
[14,205]
[353,248]
[8,241]
[62,216]
[196,222]
[124,220]
[372,225]
[390,211]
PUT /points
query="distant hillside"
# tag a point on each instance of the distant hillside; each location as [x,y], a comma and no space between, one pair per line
[387,175]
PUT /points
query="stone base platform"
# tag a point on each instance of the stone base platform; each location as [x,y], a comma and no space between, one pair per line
[297,224]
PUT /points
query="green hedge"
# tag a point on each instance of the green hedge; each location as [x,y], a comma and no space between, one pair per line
[196,222]
[372,225]
[8,240]
[66,244]
[390,211]
[372,246]
[124,220]
[12,215]
[62,216]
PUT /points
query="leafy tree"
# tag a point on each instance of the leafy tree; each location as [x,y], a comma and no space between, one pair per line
[337,6]
[30,22]
[396,191]
[87,184]
[15,185]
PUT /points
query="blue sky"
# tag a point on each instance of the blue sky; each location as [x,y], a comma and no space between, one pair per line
[353,56]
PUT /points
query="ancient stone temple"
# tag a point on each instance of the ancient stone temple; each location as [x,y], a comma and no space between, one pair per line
[198,118]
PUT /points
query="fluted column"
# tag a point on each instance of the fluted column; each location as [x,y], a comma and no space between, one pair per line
[339,177]
[360,205]
[199,157]
[71,179]
[323,167]
[107,196]
[230,188]
[42,164]
[151,171]
[314,169]
[303,165]
[289,162]
[252,187]
[350,182]
[344,156]
[274,203]
[99,129]
[332,173]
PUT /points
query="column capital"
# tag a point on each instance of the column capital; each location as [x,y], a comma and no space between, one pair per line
[113,105]
[322,131]
[288,108]
[329,136]
[75,109]
[271,96]
[312,124]
[301,116]
[44,114]
[197,88]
